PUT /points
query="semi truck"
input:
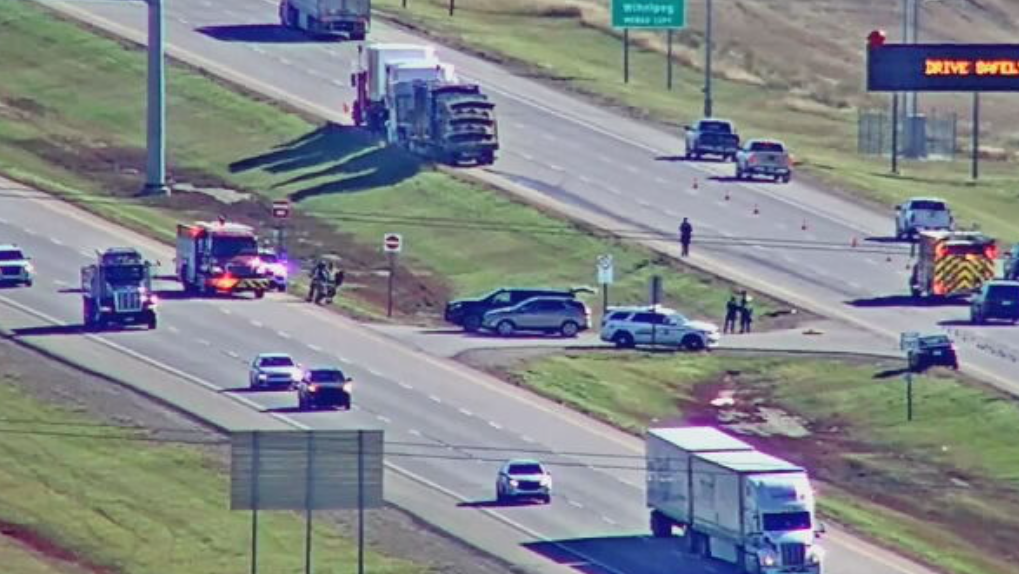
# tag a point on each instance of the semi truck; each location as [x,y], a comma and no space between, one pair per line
[220,257]
[117,290]
[732,502]
[328,17]
[952,263]
[417,102]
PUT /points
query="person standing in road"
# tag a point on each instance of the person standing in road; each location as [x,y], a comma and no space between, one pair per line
[685,236]
[732,310]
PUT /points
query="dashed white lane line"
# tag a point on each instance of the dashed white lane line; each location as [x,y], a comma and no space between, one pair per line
[384,420]
[56,241]
[356,408]
[631,169]
[526,438]
[548,136]
[661,180]
[60,283]
[257,324]
[781,225]
[173,329]
[608,520]
[338,83]
[643,204]
[286,62]
[3,221]
[575,504]
[414,432]
[466,412]
[86,252]
[434,399]
[555,167]
[257,49]
[407,386]
[869,261]
[585,179]
[225,311]
[854,285]
[233,354]
[671,213]
[203,342]
[527,156]
[495,425]
[284,334]
[342,359]
[613,190]
[605,159]
[373,372]
[184,21]
[519,126]
[315,348]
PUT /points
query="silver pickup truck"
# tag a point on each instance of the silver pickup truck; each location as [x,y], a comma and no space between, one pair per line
[768,158]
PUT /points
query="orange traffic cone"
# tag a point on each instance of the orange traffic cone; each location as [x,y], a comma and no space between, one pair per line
[756,211]
[727,195]
[695,183]
[804,226]
[854,243]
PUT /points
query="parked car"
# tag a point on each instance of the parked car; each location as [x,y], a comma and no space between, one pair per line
[712,136]
[923,352]
[470,313]
[628,327]
[566,316]
[15,267]
[273,370]
[920,214]
[520,479]
[324,387]
[996,300]
[768,158]
[271,264]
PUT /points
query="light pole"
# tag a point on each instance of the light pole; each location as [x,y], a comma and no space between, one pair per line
[707,61]
[155,173]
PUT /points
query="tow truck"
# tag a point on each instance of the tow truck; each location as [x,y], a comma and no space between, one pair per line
[117,289]
[221,258]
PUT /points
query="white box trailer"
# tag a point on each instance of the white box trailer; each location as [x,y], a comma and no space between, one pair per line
[734,504]
[381,56]
[350,17]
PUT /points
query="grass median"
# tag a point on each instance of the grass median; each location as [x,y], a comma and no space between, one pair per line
[944,487]
[551,39]
[71,122]
[81,496]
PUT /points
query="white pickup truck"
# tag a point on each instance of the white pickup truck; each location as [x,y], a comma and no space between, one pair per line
[921,214]
[767,158]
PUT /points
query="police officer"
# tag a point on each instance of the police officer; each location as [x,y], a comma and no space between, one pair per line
[685,236]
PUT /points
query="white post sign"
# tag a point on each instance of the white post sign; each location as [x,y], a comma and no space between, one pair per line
[606,272]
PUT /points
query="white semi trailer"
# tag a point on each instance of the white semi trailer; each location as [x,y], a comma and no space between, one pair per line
[328,17]
[732,502]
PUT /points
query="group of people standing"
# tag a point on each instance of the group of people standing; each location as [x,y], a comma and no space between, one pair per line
[739,308]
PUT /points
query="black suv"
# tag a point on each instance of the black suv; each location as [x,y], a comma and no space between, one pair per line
[996,300]
[469,313]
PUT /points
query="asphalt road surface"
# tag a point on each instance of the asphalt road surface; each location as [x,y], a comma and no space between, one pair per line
[595,160]
[448,428]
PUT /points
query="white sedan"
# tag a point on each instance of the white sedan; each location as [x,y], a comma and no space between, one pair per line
[273,370]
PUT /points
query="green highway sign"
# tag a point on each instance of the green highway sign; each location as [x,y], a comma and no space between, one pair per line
[649,14]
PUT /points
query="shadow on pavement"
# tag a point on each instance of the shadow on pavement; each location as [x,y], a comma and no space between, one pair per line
[891,373]
[50,330]
[497,504]
[967,323]
[888,239]
[333,159]
[290,410]
[258,33]
[629,554]
[906,301]
[251,391]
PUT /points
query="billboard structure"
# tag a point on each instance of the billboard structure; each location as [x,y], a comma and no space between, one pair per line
[943,68]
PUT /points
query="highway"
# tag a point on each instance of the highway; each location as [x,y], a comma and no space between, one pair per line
[593,160]
[447,427]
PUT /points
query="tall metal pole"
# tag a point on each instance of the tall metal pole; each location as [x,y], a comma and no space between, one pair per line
[255,452]
[626,55]
[975,161]
[915,106]
[707,60]
[668,59]
[155,174]
[895,132]
[308,502]
[360,502]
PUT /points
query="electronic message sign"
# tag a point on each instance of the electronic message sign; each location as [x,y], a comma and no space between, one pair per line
[942,67]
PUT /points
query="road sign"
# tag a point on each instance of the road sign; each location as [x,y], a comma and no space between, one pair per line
[606,269]
[649,14]
[392,243]
[281,209]
[943,68]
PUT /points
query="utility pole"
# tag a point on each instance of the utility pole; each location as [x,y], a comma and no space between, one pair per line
[155,174]
[707,61]
[975,160]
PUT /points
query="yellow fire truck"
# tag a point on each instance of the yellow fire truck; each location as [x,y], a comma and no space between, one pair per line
[952,263]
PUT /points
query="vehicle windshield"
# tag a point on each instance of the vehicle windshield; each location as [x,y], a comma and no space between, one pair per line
[327,376]
[526,468]
[276,362]
[675,319]
[234,246]
[124,274]
[1003,292]
[935,341]
[767,146]
[715,127]
[11,255]
[928,205]
[786,521]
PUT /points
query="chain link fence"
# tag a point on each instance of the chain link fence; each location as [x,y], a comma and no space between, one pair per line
[924,136]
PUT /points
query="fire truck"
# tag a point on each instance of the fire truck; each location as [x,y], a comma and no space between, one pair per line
[117,289]
[220,258]
[952,263]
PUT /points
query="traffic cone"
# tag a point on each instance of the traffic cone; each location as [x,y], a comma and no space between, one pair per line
[727,195]
[756,210]
[695,183]
[804,226]
[854,243]
[888,259]
[346,108]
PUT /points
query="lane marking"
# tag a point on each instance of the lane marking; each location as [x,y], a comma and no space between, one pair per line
[373,372]
[434,399]
[608,520]
[466,412]
[384,420]
[414,432]
[225,311]
[315,348]
[555,167]
[173,329]
[575,504]
[284,335]
[60,283]
[257,49]
[203,342]
[233,354]
[407,386]
[495,425]
[527,439]
[257,324]
[56,241]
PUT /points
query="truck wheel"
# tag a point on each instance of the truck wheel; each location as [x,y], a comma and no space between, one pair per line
[693,343]
[152,322]
[472,323]
[661,526]
[357,36]
[259,293]
[751,565]
[739,174]
[506,328]
[623,340]
[787,178]
[569,329]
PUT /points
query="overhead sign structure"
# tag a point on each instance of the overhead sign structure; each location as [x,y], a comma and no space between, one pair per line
[942,67]
[649,14]
[606,269]
[392,243]
[294,470]
[281,209]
